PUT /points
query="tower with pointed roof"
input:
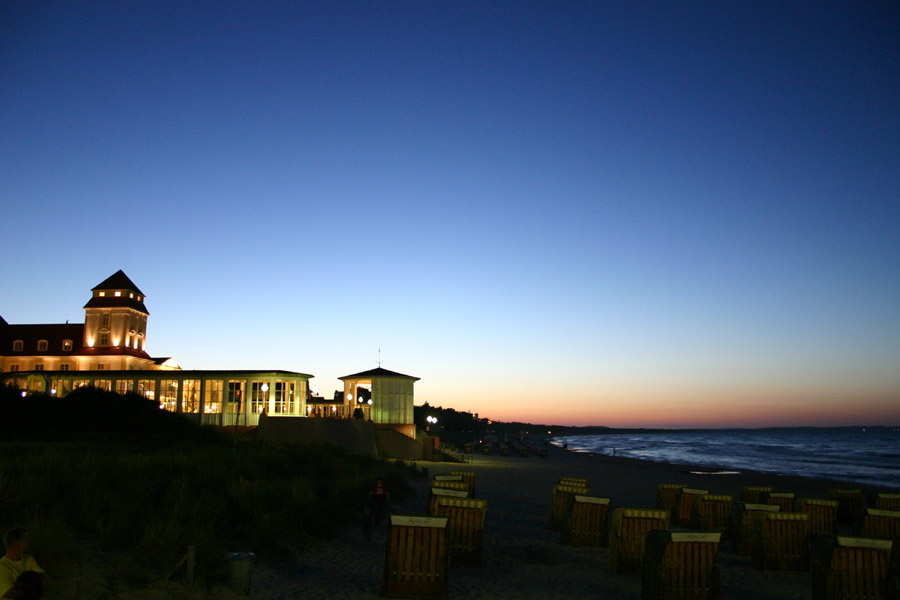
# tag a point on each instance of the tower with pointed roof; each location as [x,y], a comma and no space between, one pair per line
[115,318]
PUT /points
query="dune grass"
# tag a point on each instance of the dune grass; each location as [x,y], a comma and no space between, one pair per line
[149,484]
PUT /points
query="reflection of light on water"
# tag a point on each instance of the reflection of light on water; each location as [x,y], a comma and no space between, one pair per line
[715,472]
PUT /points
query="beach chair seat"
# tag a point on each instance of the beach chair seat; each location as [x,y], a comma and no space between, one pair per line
[780,541]
[681,565]
[686,506]
[559,503]
[886,501]
[850,502]
[847,568]
[431,509]
[714,511]
[785,500]
[750,493]
[742,522]
[667,495]
[416,560]
[628,535]
[822,515]
[586,522]
[465,527]
[469,477]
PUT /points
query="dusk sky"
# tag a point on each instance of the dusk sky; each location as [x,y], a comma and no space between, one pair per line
[612,213]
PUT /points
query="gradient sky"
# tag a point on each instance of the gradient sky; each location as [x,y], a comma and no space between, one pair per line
[612,213]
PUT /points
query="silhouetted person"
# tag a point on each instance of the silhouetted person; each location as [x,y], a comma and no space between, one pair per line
[20,575]
[376,504]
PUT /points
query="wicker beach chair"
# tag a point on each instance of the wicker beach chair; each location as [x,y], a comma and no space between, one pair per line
[416,560]
[575,481]
[628,535]
[714,512]
[742,522]
[431,509]
[846,568]
[681,565]
[883,525]
[466,527]
[686,507]
[885,501]
[667,495]
[469,477]
[780,541]
[559,503]
[850,502]
[750,493]
[450,484]
[586,522]
[822,515]
[785,500]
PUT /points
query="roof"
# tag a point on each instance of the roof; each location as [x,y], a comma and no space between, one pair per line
[117,281]
[30,335]
[378,372]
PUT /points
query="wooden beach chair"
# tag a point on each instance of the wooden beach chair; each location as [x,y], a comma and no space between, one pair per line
[785,500]
[822,515]
[446,478]
[667,495]
[846,568]
[586,522]
[849,504]
[681,565]
[457,484]
[466,527]
[714,511]
[469,477]
[628,535]
[885,501]
[742,523]
[750,493]
[686,514]
[780,542]
[431,509]
[882,525]
[416,559]
[576,481]
[559,503]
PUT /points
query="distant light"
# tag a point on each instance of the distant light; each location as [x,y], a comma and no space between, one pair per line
[370,402]
[264,387]
[52,391]
[23,393]
[349,396]
[334,409]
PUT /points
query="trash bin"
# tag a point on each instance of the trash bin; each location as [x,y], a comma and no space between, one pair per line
[240,571]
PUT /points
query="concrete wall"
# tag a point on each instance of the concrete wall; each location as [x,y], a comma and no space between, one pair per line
[392,444]
[358,437]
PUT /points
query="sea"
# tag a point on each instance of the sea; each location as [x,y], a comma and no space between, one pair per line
[866,455]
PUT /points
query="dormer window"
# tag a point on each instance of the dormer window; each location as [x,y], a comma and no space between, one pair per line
[118,294]
[18,345]
[42,345]
[101,293]
[67,345]
[138,298]
[130,295]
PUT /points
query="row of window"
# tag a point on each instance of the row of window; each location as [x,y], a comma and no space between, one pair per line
[118,294]
[42,345]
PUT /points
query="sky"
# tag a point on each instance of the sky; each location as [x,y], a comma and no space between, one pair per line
[635,214]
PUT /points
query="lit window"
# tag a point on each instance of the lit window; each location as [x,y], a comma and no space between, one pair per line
[102,293]
[130,295]
[118,294]
[139,298]
[67,345]
[18,345]
[42,345]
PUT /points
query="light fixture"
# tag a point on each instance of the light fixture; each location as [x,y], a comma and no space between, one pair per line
[264,387]
[334,409]
[349,396]
[370,402]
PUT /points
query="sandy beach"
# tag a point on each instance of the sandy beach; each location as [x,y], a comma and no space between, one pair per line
[523,559]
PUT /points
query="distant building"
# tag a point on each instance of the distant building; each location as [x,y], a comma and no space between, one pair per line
[107,351]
